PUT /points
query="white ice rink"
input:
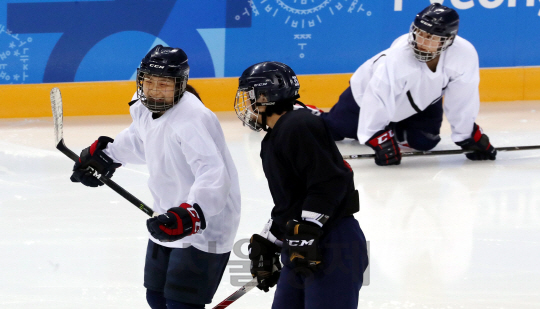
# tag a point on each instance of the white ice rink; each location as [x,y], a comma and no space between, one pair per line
[444,232]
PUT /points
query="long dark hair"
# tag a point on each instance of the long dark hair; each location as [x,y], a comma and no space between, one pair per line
[281,107]
[193,91]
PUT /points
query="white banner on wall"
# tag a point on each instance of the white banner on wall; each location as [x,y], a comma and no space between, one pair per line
[467,4]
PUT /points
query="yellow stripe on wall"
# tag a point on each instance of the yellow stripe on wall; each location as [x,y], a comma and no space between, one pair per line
[109,98]
[510,84]
[79,99]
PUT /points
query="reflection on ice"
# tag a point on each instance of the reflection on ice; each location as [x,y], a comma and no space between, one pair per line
[444,232]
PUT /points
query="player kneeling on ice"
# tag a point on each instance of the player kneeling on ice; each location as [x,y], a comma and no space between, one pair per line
[192,178]
[312,226]
[396,96]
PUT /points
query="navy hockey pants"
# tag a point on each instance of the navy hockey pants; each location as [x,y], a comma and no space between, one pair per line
[338,283]
[185,277]
[342,119]
[421,130]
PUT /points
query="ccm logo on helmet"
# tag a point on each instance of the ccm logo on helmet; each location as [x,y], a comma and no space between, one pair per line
[426,23]
[300,243]
[157,66]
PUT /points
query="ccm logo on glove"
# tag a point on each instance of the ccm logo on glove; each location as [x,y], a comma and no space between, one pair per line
[300,243]
[195,218]
[94,163]
[384,137]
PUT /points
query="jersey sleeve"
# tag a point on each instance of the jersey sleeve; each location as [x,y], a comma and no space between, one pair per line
[461,97]
[212,181]
[378,103]
[127,146]
[310,152]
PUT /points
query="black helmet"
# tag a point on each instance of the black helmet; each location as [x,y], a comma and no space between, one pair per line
[276,81]
[439,20]
[165,62]
[436,20]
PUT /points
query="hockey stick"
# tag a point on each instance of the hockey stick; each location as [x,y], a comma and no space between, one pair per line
[439,152]
[236,295]
[58,117]
[249,285]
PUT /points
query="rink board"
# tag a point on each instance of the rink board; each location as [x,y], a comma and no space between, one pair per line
[111,98]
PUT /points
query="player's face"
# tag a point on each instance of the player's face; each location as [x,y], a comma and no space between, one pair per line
[427,42]
[261,99]
[159,89]
[246,108]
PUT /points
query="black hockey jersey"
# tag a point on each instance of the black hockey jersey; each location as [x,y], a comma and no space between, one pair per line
[304,169]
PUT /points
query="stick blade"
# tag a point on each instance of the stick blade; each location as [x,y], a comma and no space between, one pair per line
[58,114]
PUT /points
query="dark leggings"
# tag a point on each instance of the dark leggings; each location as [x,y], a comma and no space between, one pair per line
[181,277]
[421,130]
[156,300]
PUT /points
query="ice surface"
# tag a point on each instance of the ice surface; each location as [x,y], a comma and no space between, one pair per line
[444,232]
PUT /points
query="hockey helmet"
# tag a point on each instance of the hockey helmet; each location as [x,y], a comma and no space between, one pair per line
[275,81]
[162,64]
[433,31]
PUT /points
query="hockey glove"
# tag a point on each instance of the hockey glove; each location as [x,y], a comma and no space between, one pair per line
[302,243]
[265,264]
[479,144]
[177,223]
[386,147]
[94,163]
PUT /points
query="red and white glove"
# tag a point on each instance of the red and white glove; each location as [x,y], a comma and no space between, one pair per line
[177,223]
[479,144]
[386,147]
[94,163]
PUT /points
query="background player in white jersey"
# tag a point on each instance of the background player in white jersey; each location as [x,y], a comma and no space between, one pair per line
[324,250]
[396,96]
[193,181]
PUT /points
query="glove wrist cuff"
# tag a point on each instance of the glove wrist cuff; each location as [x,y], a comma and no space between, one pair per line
[267,233]
[274,240]
[198,222]
[314,217]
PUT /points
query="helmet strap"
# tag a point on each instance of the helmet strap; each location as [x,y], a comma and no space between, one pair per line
[263,120]
[299,103]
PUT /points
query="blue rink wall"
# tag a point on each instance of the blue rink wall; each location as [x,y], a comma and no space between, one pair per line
[62,41]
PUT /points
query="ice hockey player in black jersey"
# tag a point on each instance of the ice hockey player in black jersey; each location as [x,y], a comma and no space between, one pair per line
[312,227]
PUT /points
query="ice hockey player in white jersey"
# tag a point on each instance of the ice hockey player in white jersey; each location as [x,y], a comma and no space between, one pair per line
[396,96]
[193,181]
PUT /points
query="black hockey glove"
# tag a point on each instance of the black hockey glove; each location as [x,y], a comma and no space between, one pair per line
[177,223]
[302,242]
[265,264]
[386,147]
[479,144]
[93,163]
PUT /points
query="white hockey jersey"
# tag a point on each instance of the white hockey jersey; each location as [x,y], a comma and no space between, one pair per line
[189,162]
[393,86]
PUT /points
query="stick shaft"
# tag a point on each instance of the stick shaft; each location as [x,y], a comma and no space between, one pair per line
[57,109]
[111,184]
[439,152]
[248,286]
[236,295]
